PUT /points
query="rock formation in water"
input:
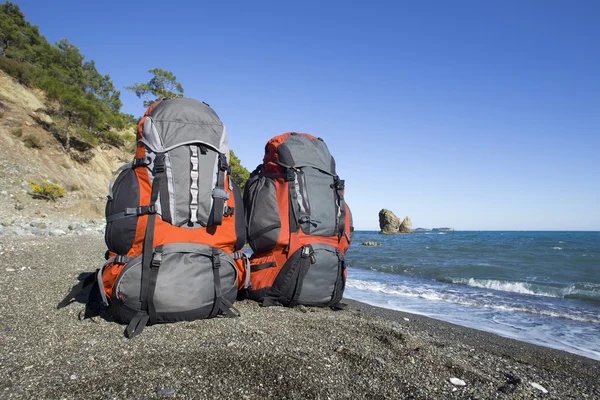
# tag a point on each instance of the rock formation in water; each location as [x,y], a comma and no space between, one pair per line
[388,222]
[405,226]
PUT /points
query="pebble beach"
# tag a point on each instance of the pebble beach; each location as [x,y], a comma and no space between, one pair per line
[267,353]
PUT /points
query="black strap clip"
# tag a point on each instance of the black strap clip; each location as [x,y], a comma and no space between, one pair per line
[228,211]
[145,161]
[291,175]
[223,163]
[151,209]
[121,259]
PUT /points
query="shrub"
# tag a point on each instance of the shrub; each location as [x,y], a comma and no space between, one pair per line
[1,113]
[32,142]
[83,157]
[17,132]
[20,71]
[112,138]
[46,190]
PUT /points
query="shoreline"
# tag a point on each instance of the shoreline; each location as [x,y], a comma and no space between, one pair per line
[362,352]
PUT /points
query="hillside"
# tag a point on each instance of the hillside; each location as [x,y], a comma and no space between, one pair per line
[22,114]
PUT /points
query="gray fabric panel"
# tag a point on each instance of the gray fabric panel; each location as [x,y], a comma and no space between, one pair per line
[170,185]
[185,282]
[307,152]
[180,161]
[264,224]
[207,167]
[150,136]
[323,211]
[187,120]
[319,282]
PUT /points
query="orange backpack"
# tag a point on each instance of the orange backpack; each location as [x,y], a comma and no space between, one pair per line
[175,223]
[299,225]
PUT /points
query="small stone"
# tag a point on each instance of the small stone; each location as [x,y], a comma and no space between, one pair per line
[230,344]
[41,225]
[168,391]
[406,319]
[44,215]
[340,349]
[37,211]
[4,193]
[10,269]
[73,377]
[57,232]
[457,382]
[27,367]
[302,308]
[538,387]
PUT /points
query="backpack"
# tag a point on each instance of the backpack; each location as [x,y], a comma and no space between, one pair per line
[175,223]
[299,225]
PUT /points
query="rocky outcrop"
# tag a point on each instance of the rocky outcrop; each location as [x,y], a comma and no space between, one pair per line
[405,226]
[388,222]
[371,244]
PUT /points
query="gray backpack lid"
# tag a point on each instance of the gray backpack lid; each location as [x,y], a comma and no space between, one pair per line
[302,151]
[176,122]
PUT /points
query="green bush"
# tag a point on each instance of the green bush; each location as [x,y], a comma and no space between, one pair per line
[18,132]
[46,190]
[22,72]
[32,142]
[112,138]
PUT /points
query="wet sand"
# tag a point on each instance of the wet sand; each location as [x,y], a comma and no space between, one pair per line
[300,353]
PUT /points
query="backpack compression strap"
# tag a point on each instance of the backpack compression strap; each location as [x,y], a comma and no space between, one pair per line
[139,321]
[219,194]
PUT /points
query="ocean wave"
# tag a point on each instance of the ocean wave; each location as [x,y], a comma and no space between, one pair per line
[557,248]
[505,286]
[584,291]
[462,299]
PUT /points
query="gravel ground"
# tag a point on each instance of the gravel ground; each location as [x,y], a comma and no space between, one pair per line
[363,352]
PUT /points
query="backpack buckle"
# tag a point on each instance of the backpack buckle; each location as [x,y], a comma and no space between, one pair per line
[223,163]
[151,209]
[157,259]
[120,259]
[219,193]
[291,175]
[228,211]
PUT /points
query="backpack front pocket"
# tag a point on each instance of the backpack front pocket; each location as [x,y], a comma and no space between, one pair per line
[264,223]
[188,281]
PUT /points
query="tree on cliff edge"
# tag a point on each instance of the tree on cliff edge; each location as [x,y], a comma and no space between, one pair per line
[162,85]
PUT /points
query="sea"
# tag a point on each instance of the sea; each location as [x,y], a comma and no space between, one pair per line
[537,287]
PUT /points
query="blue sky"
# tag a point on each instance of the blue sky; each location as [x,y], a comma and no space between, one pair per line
[469,114]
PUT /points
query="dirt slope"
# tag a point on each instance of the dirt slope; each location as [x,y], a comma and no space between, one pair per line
[85,184]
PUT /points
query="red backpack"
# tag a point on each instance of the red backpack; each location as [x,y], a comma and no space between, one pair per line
[299,225]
